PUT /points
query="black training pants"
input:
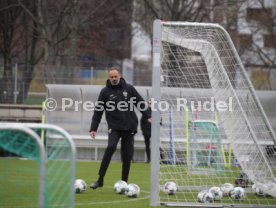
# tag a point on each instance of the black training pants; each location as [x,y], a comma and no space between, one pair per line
[127,148]
[147,144]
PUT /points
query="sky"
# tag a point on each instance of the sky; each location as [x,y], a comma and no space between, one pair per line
[141,43]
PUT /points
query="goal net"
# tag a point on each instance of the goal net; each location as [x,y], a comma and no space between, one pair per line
[213,130]
[37,166]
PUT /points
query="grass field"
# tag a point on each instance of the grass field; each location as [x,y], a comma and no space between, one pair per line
[105,196]
[19,187]
[19,184]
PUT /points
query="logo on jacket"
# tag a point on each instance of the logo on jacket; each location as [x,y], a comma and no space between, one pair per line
[125,94]
[112,97]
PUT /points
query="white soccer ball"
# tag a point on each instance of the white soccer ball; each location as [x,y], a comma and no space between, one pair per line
[257,190]
[170,188]
[120,187]
[238,193]
[80,186]
[205,196]
[217,193]
[132,190]
[227,188]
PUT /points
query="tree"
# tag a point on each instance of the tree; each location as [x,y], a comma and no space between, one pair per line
[50,33]
[146,11]
[260,52]
[8,23]
[251,25]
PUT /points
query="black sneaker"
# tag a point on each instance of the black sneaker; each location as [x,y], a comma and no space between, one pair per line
[96,184]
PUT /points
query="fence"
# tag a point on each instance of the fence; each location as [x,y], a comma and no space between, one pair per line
[26,84]
[16,85]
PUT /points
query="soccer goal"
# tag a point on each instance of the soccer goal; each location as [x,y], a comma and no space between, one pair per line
[37,166]
[214,129]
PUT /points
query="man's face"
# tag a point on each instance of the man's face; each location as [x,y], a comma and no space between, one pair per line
[114,77]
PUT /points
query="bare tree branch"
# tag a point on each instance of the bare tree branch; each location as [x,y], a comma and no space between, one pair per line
[153,10]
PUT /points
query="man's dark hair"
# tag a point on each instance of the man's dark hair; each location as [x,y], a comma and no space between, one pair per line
[114,68]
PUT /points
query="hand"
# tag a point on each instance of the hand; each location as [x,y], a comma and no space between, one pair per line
[93,134]
[149,120]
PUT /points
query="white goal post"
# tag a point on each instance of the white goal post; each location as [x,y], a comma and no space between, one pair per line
[214,128]
[39,163]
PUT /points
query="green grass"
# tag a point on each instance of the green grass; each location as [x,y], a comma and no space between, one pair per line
[19,188]
[19,184]
[105,196]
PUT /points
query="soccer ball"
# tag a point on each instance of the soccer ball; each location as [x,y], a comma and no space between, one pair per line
[80,186]
[205,196]
[132,190]
[120,187]
[217,193]
[170,188]
[242,180]
[257,191]
[238,193]
[227,188]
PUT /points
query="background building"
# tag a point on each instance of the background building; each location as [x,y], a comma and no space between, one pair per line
[251,25]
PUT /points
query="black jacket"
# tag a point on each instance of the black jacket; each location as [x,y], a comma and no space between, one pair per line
[145,125]
[117,119]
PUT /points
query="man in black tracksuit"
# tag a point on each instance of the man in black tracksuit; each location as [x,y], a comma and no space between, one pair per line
[146,130]
[117,100]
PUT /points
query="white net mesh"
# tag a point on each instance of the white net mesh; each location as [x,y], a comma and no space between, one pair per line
[217,128]
[34,177]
